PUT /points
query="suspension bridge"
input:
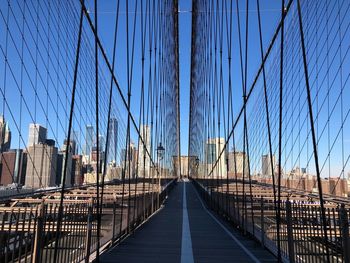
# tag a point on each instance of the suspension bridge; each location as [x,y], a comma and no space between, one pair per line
[94,166]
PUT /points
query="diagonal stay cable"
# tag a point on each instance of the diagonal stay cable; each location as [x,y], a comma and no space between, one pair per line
[60,210]
[104,56]
[323,213]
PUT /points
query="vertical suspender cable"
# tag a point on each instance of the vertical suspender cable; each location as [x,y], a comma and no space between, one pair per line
[267,115]
[279,255]
[109,108]
[245,114]
[135,176]
[177,81]
[97,141]
[309,100]
[143,29]
[244,102]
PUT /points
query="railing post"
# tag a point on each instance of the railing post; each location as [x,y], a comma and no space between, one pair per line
[262,221]
[236,209]
[344,225]
[290,232]
[37,249]
[159,192]
[152,196]
[244,221]
[211,198]
[114,218]
[88,234]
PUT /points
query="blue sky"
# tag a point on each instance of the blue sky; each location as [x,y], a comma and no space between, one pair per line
[270,11]
[50,106]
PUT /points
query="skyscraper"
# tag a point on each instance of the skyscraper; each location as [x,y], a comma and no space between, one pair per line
[76,139]
[101,142]
[214,147]
[5,135]
[20,167]
[123,156]
[41,165]
[13,165]
[143,157]
[128,160]
[94,159]
[236,161]
[61,159]
[73,145]
[266,164]
[37,134]
[112,141]
[89,137]
[77,170]
[210,153]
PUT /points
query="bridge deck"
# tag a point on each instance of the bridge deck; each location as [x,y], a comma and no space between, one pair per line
[186,232]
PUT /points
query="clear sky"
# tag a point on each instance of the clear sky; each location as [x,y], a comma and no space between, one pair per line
[270,12]
[185,69]
[46,84]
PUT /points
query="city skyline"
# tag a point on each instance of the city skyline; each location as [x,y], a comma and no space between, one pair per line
[37,136]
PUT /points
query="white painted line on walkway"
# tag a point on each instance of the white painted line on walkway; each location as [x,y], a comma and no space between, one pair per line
[186,242]
[255,259]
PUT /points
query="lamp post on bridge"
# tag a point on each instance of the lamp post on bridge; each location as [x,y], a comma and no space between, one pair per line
[160,156]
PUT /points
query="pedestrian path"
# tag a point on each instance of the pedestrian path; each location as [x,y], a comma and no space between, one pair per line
[185,231]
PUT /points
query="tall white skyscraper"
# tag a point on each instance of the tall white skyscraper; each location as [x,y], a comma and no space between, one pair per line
[5,135]
[41,166]
[143,157]
[236,162]
[37,134]
[214,147]
[266,164]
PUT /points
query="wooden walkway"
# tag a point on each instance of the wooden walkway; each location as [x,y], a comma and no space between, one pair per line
[186,233]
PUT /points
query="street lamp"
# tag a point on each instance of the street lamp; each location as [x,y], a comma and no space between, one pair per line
[160,151]
[160,156]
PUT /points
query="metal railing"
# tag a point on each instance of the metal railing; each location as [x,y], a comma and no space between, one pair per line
[28,226]
[301,233]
